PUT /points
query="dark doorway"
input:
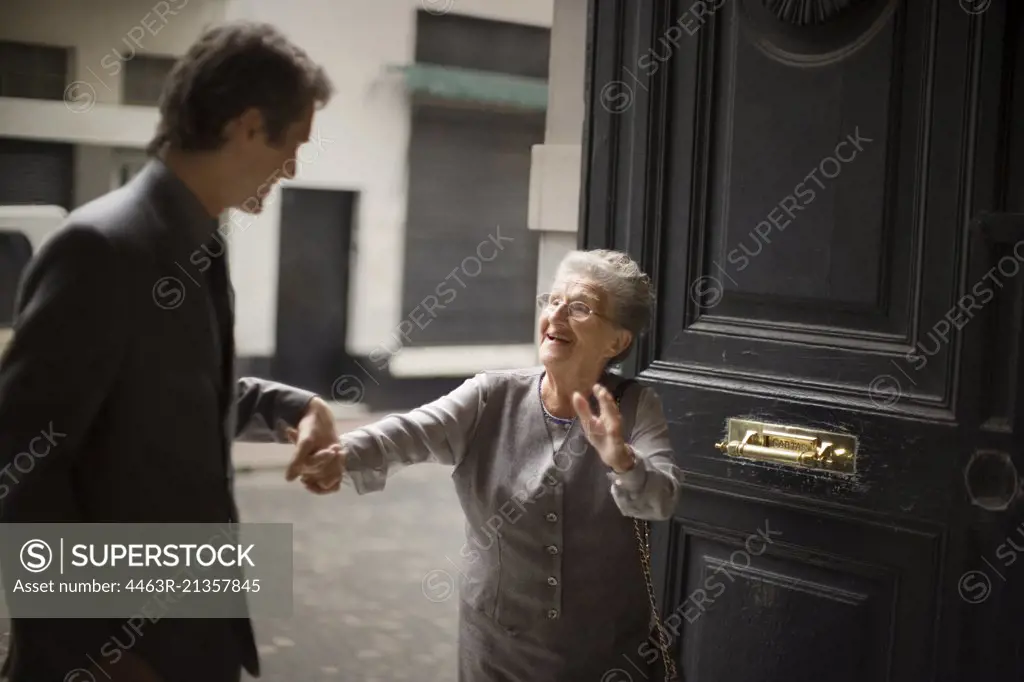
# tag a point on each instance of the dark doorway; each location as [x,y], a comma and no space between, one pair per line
[313,283]
[15,254]
[828,197]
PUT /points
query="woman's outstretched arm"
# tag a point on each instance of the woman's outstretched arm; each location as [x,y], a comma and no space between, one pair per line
[439,432]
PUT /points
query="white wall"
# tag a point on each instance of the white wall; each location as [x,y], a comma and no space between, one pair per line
[364,130]
[556,168]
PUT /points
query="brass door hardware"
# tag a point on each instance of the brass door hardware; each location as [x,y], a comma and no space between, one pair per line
[793,445]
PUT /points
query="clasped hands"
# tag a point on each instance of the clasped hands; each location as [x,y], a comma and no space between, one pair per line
[319,460]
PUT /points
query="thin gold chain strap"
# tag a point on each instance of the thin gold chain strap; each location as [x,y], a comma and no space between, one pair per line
[644,543]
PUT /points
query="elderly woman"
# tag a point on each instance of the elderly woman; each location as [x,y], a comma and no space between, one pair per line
[555,495]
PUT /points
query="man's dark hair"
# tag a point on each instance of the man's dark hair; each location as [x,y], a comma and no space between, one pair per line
[231,68]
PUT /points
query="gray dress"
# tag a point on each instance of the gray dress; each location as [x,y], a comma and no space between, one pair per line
[552,588]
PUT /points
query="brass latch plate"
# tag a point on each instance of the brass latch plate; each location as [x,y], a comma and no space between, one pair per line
[792,445]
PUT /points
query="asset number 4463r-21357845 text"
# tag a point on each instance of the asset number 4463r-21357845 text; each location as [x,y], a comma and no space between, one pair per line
[195,585]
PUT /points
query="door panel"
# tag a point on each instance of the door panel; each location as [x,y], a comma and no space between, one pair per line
[777,592]
[826,205]
[785,262]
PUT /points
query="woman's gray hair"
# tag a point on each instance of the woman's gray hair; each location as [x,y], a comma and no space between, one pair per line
[628,288]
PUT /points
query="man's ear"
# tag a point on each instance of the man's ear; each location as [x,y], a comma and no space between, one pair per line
[250,124]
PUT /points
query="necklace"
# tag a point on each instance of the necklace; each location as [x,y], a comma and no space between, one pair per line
[548,415]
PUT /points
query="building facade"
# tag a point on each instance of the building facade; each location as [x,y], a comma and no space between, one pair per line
[384,271]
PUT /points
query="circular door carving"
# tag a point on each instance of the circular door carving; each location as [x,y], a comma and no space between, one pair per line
[808,12]
[992,480]
[813,32]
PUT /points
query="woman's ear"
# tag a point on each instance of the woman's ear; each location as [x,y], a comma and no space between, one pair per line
[622,340]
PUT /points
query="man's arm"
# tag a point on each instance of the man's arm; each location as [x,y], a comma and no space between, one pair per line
[269,406]
[439,431]
[290,415]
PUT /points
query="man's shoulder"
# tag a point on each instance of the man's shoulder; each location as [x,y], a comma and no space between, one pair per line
[114,214]
[97,240]
[113,228]
[76,243]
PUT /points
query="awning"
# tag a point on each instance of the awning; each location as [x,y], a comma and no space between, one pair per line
[483,87]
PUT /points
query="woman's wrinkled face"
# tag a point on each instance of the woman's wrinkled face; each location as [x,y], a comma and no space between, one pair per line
[575,329]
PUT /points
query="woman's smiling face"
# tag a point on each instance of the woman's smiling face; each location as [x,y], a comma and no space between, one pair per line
[576,328]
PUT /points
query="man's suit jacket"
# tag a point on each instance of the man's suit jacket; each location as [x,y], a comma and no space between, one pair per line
[134,370]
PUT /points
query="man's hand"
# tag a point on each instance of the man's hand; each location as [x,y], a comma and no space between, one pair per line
[316,432]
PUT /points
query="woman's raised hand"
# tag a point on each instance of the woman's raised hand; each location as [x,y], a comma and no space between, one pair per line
[604,430]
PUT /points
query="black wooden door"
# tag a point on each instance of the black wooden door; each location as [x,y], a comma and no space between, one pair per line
[825,194]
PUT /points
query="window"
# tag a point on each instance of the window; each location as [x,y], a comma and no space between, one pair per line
[144,78]
[40,173]
[33,71]
[482,45]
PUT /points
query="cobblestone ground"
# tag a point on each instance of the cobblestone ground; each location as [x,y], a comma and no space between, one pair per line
[373,592]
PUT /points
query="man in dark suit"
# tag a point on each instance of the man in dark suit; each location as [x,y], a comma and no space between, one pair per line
[117,397]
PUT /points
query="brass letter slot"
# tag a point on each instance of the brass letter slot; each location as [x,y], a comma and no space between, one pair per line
[832,452]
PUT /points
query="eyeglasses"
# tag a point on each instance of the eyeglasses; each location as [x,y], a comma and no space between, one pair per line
[578,310]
